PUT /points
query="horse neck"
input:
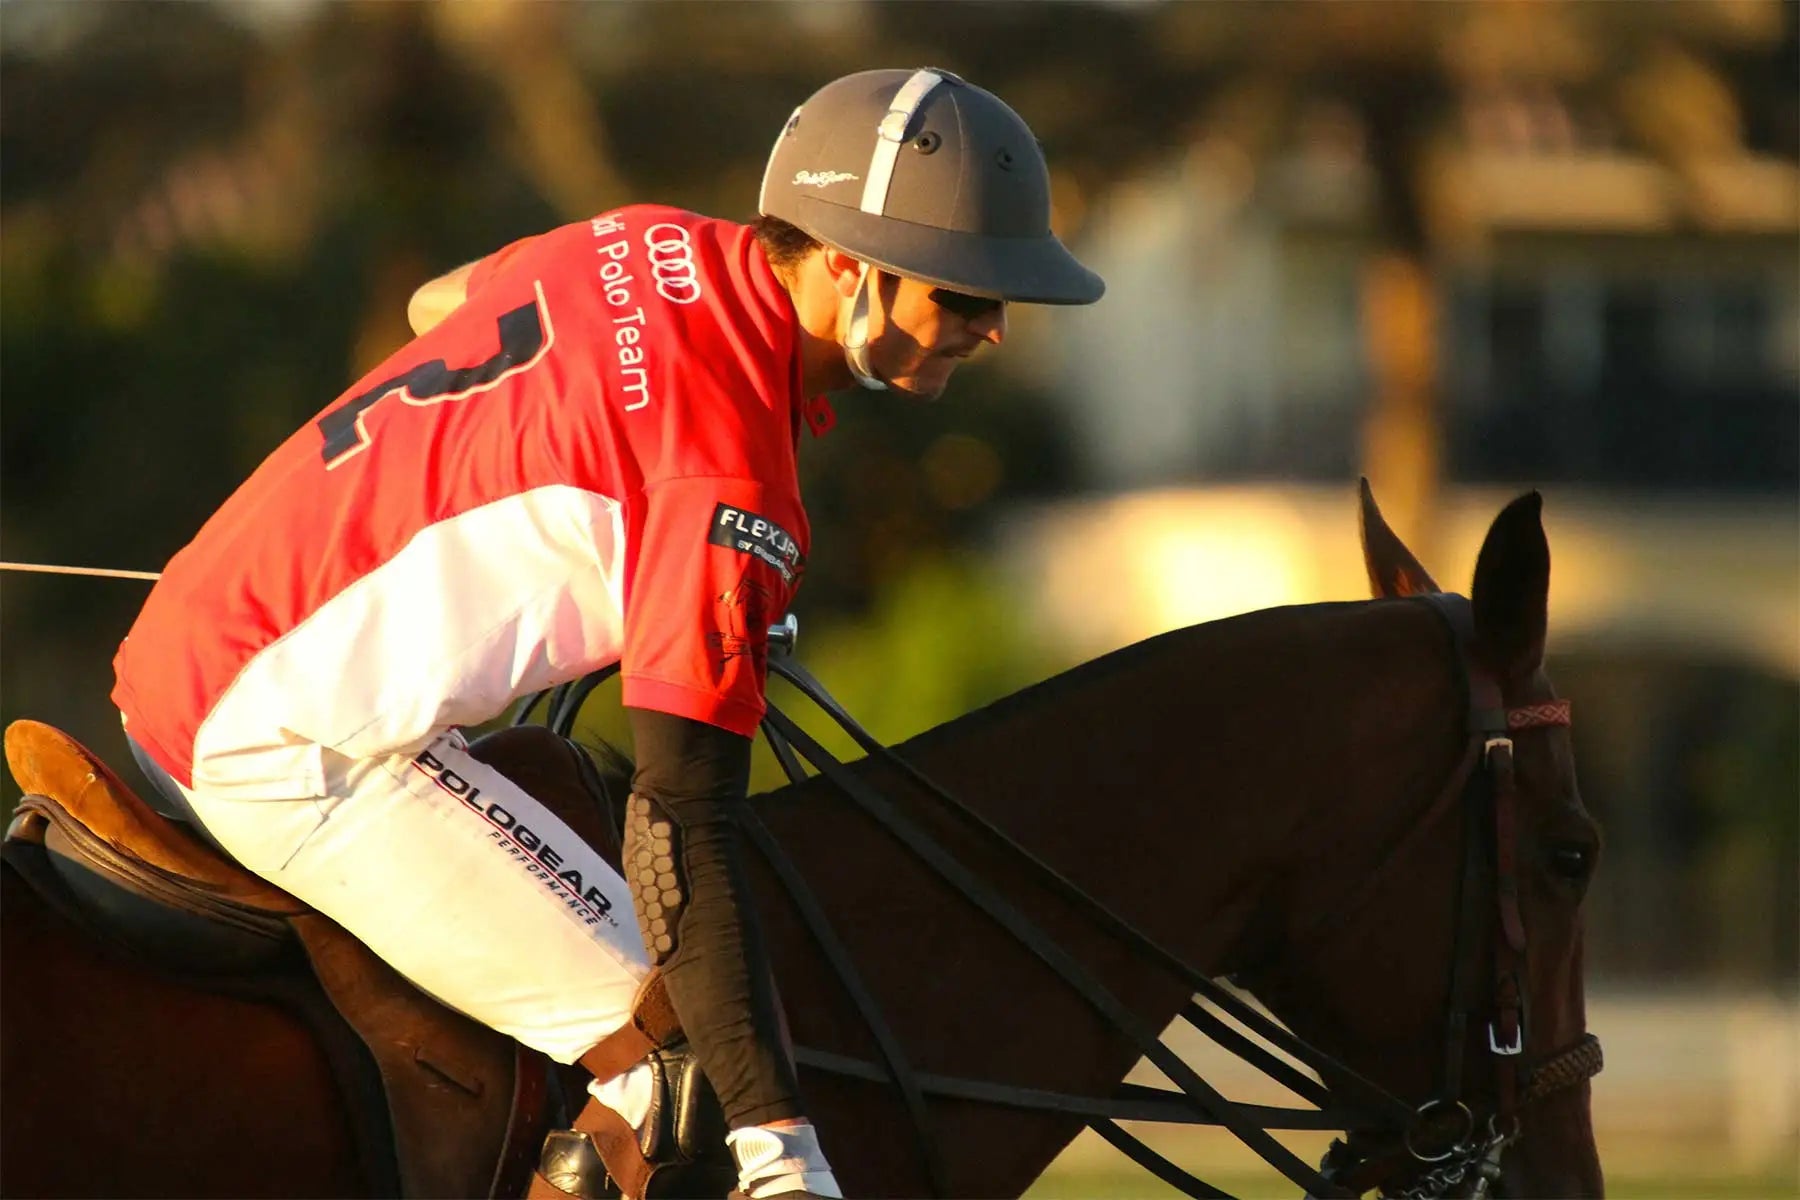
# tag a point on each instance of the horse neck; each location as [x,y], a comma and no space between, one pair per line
[1179,782]
[1185,780]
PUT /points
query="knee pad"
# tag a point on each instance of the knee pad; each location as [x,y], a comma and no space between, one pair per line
[653,872]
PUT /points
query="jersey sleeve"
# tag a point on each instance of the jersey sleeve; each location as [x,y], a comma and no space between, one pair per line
[496,262]
[718,565]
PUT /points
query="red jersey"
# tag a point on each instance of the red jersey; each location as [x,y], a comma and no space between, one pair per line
[592,460]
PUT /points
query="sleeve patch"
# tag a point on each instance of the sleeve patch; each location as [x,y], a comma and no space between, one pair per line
[743,623]
[750,533]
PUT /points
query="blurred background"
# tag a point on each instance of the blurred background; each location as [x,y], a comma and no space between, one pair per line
[1466,248]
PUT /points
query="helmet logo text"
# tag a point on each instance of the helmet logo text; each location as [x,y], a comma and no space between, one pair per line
[822,178]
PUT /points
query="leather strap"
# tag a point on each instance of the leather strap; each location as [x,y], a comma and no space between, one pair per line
[653,1023]
[1059,960]
[1463,966]
[1376,1104]
[1570,1066]
[1294,1080]
[899,1069]
[1156,1164]
[618,1145]
[525,1124]
[1507,1032]
[1132,1102]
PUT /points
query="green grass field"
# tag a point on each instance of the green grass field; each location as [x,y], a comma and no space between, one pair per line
[1655,1143]
[1637,1168]
[1128,1183]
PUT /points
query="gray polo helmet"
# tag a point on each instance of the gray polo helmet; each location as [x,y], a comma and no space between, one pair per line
[924,175]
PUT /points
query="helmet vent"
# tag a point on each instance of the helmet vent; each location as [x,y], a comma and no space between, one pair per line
[1004,158]
[927,142]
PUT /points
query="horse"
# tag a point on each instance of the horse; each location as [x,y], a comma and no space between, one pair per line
[1272,798]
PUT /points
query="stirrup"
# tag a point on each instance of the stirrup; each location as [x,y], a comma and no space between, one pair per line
[679,1150]
[570,1166]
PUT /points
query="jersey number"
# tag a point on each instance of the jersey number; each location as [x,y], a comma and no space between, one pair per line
[524,337]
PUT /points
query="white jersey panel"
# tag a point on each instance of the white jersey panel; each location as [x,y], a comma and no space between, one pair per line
[474,611]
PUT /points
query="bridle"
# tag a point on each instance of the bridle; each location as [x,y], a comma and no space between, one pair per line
[1435,1149]
[1462,1155]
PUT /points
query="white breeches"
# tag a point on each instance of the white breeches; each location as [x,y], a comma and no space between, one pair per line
[460,881]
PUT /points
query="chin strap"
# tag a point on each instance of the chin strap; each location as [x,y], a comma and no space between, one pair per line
[853,315]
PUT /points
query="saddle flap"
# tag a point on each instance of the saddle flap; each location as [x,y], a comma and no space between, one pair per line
[168,922]
[457,1091]
[45,761]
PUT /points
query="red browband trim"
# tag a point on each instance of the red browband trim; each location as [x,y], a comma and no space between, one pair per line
[1537,716]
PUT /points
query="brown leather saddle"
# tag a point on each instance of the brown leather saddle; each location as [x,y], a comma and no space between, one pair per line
[444,1106]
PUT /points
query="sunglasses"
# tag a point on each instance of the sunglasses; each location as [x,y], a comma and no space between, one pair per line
[967,307]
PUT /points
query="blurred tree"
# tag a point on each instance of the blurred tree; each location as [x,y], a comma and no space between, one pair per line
[211,215]
[1672,79]
[903,668]
[402,139]
[1690,764]
[554,132]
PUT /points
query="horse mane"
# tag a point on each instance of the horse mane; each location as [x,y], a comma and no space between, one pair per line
[615,766]
[1202,641]
[1197,644]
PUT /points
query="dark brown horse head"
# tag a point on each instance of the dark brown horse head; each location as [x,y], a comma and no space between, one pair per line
[1380,975]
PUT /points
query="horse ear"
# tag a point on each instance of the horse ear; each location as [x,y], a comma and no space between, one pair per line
[1393,571]
[1511,592]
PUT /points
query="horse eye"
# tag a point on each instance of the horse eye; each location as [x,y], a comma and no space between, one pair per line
[1571,862]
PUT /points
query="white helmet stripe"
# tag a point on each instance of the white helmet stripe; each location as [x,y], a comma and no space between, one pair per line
[890,135]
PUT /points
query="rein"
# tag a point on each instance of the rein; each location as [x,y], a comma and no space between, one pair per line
[1483,779]
[93,572]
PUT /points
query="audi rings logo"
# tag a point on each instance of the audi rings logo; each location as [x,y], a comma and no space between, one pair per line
[672,263]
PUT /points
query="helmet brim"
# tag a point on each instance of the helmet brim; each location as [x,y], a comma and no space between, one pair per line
[1024,270]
